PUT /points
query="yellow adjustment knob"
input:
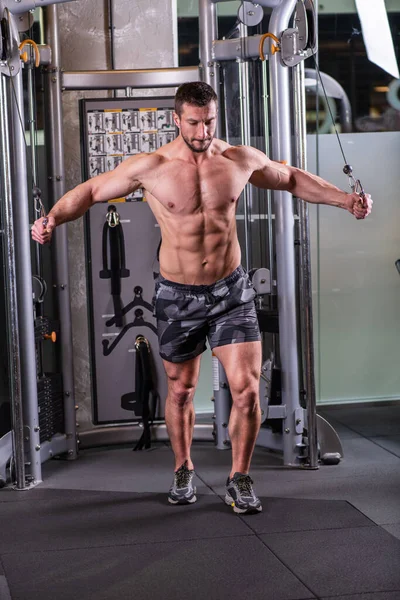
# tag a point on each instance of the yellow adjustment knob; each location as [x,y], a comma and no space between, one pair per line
[35,47]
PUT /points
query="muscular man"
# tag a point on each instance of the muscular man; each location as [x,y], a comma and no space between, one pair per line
[192,186]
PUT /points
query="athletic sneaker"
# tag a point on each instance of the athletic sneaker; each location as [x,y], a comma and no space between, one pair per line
[182,490]
[240,495]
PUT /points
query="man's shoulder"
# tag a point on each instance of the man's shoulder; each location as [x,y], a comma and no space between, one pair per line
[246,155]
[145,160]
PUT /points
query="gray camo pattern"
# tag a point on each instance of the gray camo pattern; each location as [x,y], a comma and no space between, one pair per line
[223,312]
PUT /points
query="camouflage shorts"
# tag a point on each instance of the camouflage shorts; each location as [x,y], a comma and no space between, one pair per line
[187,315]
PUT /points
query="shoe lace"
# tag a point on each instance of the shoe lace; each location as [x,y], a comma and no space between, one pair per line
[244,485]
[182,477]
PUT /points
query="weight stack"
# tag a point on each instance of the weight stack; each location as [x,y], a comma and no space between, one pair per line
[51,405]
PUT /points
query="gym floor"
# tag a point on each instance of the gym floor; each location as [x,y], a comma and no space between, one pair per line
[100,528]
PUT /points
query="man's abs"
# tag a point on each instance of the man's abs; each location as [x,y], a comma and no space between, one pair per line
[195,206]
[198,261]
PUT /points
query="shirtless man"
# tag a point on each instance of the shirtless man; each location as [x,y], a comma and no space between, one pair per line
[192,186]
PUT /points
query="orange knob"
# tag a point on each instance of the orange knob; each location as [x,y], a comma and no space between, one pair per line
[51,336]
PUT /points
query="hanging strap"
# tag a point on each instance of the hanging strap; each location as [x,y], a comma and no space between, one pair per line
[113,236]
[145,390]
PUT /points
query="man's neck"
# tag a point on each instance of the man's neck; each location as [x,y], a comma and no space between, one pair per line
[190,156]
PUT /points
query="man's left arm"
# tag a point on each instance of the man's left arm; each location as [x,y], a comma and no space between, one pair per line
[268,174]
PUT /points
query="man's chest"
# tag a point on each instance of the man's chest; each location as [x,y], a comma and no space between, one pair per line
[186,189]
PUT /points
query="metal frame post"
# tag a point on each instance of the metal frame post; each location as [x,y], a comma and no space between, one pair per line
[55,139]
[32,131]
[265,96]
[11,291]
[284,235]
[127,78]
[222,405]
[18,7]
[24,279]
[244,87]
[306,313]
[208,33]
[208,28]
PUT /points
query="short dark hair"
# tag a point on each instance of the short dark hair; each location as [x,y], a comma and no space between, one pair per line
[196,93]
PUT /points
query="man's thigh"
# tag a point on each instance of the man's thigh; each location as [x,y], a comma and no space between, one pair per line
[242,365]
[182,376]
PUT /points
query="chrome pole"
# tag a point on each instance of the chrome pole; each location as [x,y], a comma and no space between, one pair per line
[244,93]
[56,168]
[208,28]
[10,288]
[38,269]
[32,133]
[24,278]
[208,33]
[17,7]
[306,312]
[284,235]
[271,264]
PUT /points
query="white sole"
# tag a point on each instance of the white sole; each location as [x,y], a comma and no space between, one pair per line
[191,501]
[240,511]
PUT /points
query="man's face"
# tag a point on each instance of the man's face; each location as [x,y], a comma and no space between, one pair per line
[197,125]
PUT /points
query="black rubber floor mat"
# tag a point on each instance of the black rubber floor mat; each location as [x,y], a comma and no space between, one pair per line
[63,519]
[296,514]
[208,569]
[342,561]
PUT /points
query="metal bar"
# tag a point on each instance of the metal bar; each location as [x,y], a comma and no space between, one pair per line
[271,263]
[306,313]
[111,28]
[236,48]
[244,91]
[18,7]
[11,290]
[208,33]
[208,29]
[24,278]
[56,171]
[224,92]
[284,236]
[56,446]
[32,122]
[222,405]
[120,80]
[266,3]
[126,434]
[32,133]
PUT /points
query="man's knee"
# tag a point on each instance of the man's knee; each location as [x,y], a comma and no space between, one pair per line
[245,395]
[182,380]
[180,392]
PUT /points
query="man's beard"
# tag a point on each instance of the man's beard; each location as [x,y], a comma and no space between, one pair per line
[206,143]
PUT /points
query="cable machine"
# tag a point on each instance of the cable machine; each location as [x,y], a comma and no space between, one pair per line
[289,421]
[284,290]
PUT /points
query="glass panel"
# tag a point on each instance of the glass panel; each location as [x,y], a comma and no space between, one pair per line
[357,326]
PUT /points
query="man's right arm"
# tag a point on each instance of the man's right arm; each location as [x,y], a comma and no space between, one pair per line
[118,183]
